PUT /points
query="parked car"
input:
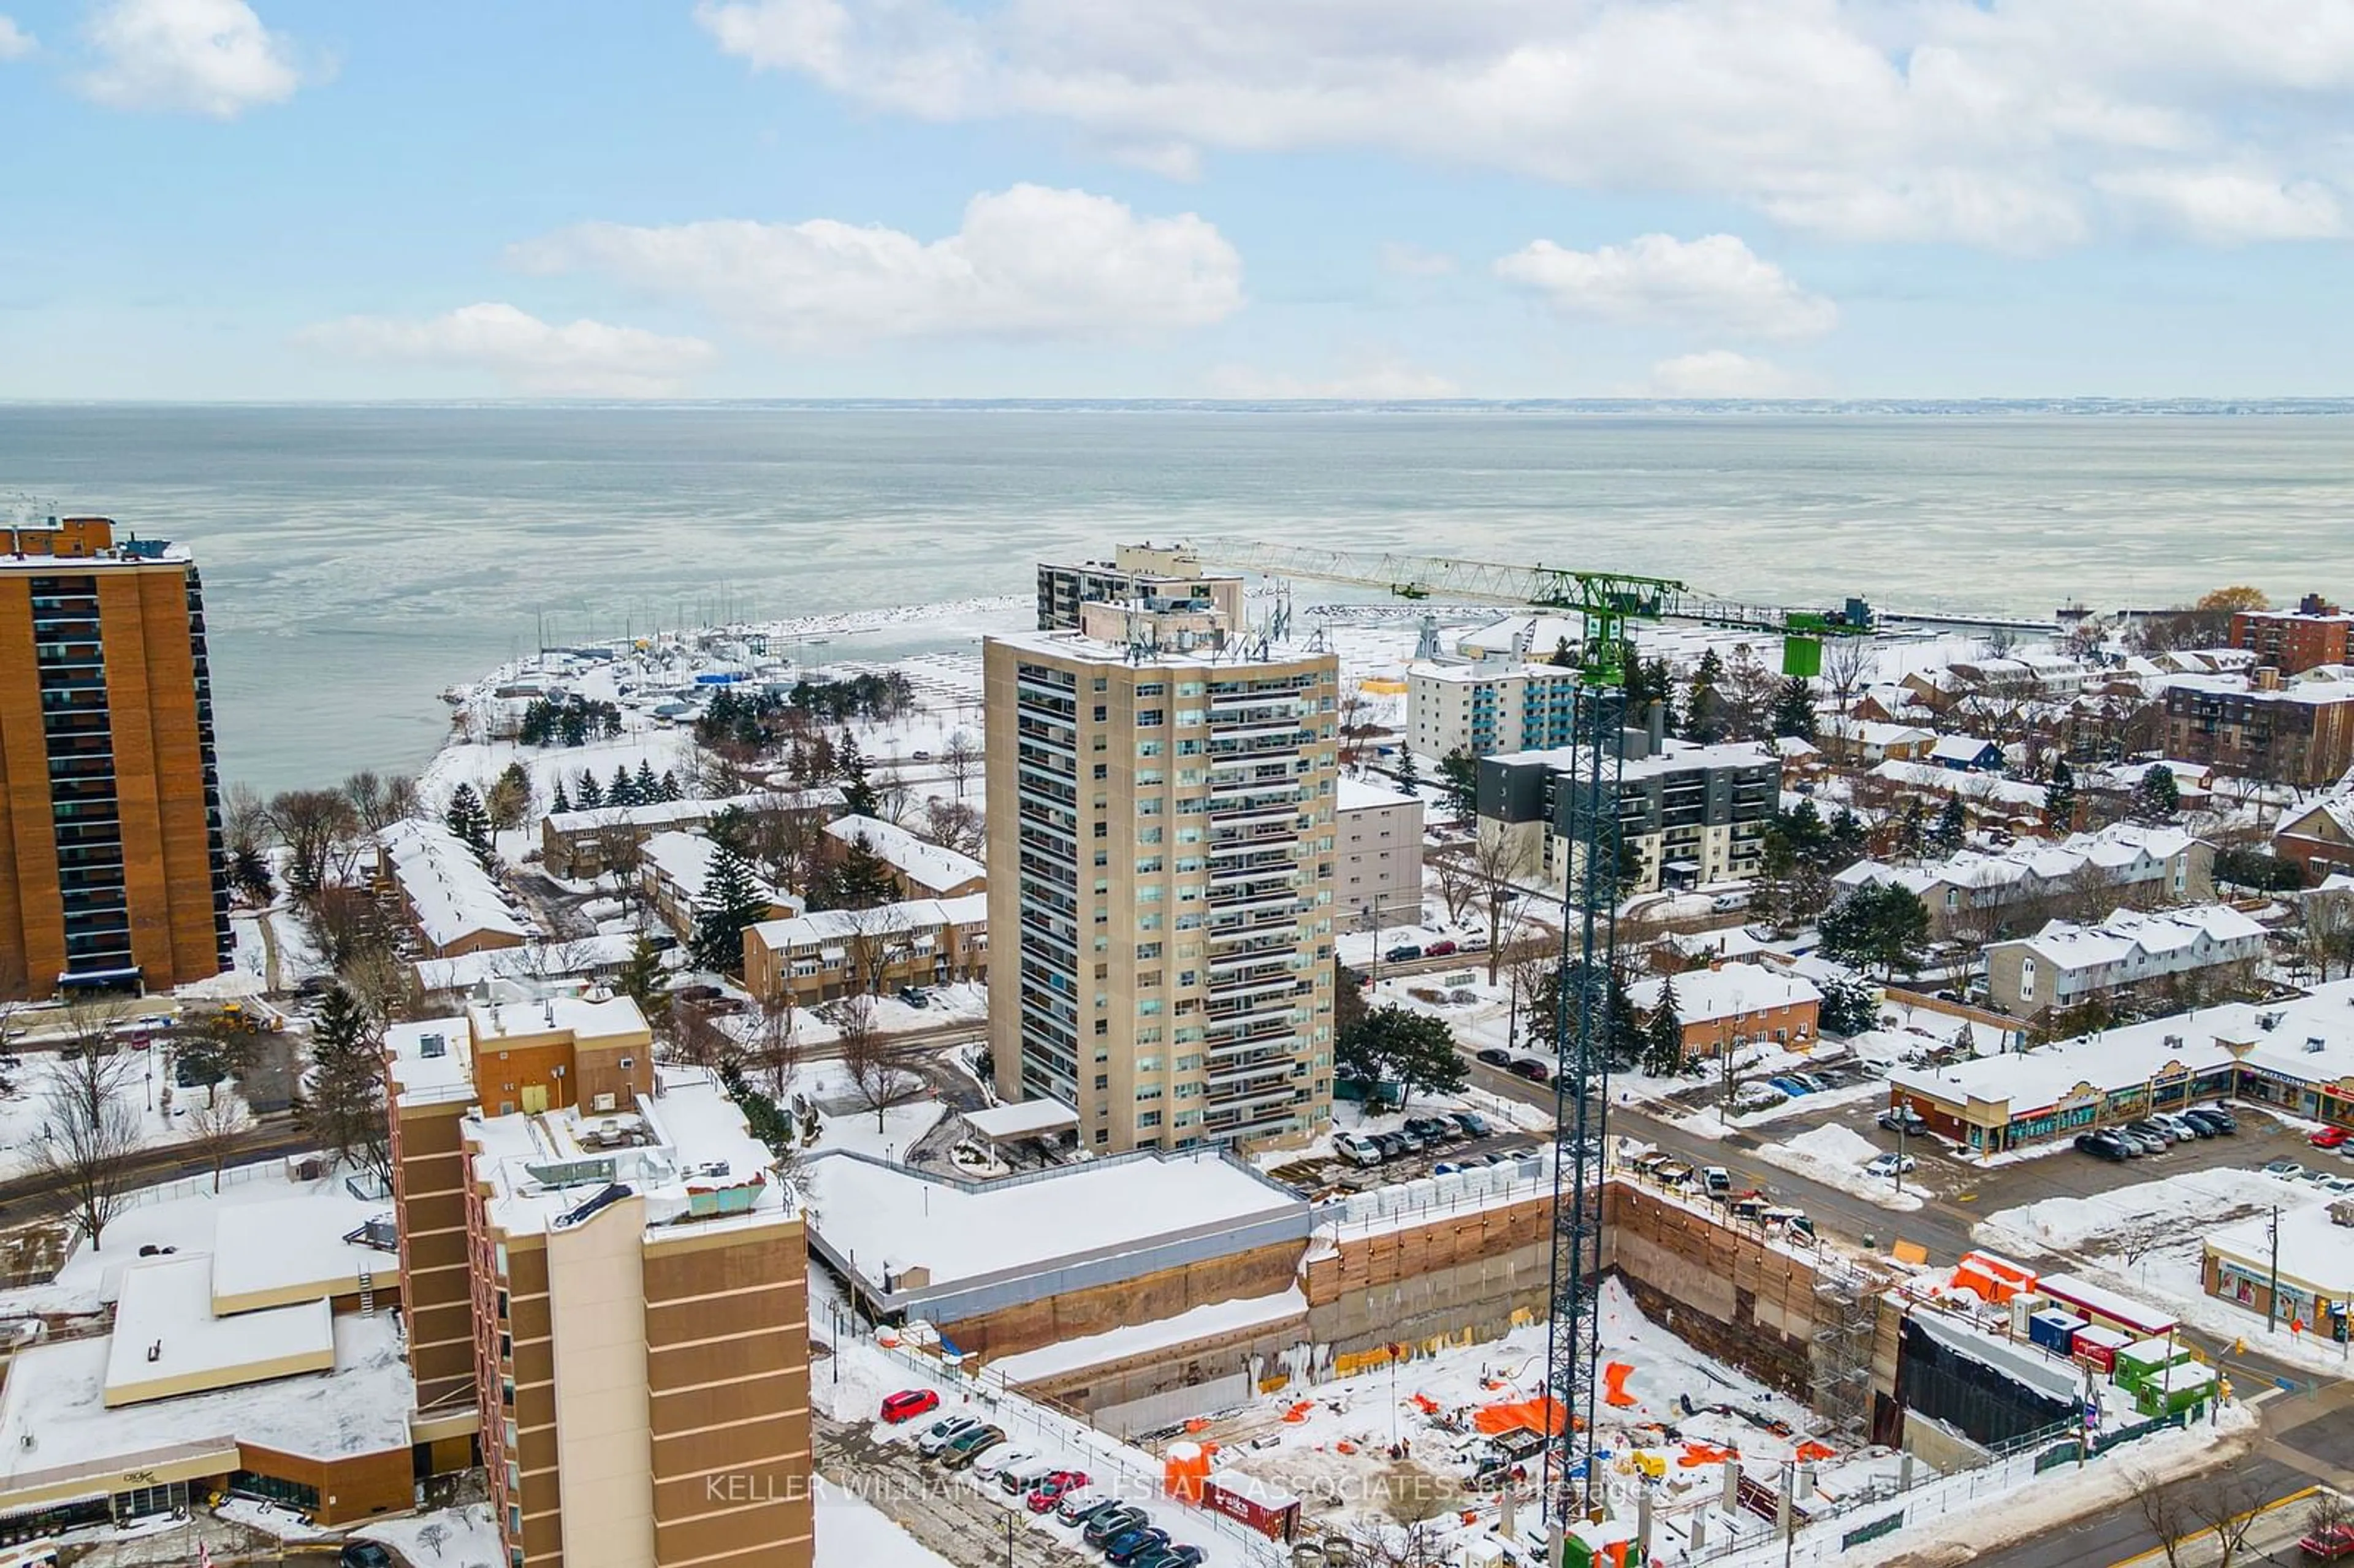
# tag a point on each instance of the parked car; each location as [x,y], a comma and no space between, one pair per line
[1356,1150]
[2173,1121]
[1021,1476]
[908,1404]
[1903,1120]
[1402,953]
[967,1447]
[1532,1069]
[2222,1121]
[1472,1123]
[1815,1085]
[1080,1510]
[2103,1147]
[998,1460]
[2150,1128]
[913,997]
[1434,1129]
[2328,1138]
[1891,1164]
[1788,1085]
[2332,1542]
[1410,1141]
[2283,1169]
[941,1433]
[1175,1555]
[1438,950]
[1727,903]
[2149,1142]
[1393,1146]
[1122,1550]
[1477,942]
[355,1554]
[1715,1181]
[1494,1056]
[1113,1523]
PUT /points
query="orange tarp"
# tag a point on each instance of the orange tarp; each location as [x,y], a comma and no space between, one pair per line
[1811,1450]
[1539,1414]
[1427,1404]
[1699,1454]
[1614,1384]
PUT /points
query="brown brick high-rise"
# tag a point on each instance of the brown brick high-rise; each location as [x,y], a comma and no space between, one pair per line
[112,873]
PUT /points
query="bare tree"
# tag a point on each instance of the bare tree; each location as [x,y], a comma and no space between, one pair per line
[245,820]
[1497,861]
[90,1134]
[1451,869]
[2325,933]
[316,826]
[365,792]
[213,1131]
[788,839]
[1847,660]
[2222,1504]
[698,1038]
[776,1041]
[954,825]
[402,802]
[875,940]
[876,1074]
[894,798]
[959,759]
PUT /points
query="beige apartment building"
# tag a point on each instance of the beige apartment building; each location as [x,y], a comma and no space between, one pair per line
[1162,859]
[606,1281]
[1378,832]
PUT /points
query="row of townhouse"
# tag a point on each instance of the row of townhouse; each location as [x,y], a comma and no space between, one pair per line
[2067,963]
[831,953]
[1977,893]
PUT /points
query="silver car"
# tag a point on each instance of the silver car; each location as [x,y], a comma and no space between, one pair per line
[941,1434]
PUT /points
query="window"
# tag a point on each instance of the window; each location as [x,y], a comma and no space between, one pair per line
[1148,748]
[1103,770]
[1103,1080]
[1149,718]
[1152,836]
[1189,688]
[1148,1064]
[1148,1118]
[1146,951]
[1151,689]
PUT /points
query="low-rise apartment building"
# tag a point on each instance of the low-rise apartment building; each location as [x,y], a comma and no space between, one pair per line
[1490,708]
[1983,895]
[1166,577]
[2294,641]
[831,953]
[604,1272]
[1729,1006]
[921,868]
[580,846]
[1689,814]
[1378,834]
[673,868]
[2066,964]
[2298,732]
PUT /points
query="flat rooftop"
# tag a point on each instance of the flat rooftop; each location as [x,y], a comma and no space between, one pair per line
[1232,659]
[268,1255]
[433,1058]
[55,1424]
[167,1340]
[686,1150]
[885,1219]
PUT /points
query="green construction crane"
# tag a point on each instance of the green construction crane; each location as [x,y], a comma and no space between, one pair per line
[1606,601]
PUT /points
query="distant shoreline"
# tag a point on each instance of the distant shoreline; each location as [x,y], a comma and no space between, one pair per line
[1958,407]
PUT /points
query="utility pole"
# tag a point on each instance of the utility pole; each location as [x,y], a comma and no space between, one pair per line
[2272,1290]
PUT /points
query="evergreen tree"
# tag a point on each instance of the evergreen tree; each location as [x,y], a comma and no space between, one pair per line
[590,793]
[508,800]
[2060,795]
[1847,1005]
[732,827]
[640,980]
[1847,840]
[1663,1035]
[341,1107]
[648,787]
[857,878]
[1794,709]
[1564,656]
[669,787]
[622,790]
[1409,777]
[1911,830]
[1660,686]
[1704,700]
[468,820]
[562,800]
[2158,797]
[731,900]
[1952,829]
[1396,1044]
[1882,926]
[859,796]
[1459,777]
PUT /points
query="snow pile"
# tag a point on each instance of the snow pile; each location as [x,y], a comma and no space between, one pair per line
[1835,1156]
[2129,1218]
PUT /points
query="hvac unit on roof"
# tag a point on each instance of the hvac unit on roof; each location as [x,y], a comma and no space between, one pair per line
[432,1045]
[2173,1042]
[2315,1044]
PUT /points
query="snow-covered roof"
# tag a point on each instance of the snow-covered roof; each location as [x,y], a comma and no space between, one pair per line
[292,1249]
[2308,693]
[1728,991]
[926,865]
[821,927]
[432,1059]
[453,895]
[1790,746]
[892,1220]
[684,860]
[1873,733]
[2128,850]
[2310,1040]
[1359,795]
[2314,1250]
[168,1339]
[2128,934]
[688,1141]
[1960,747]
[1022,1119]
[1488,671]
[1929,776]
[1524,634]
[1677,756]
[532,960]
[55,1424]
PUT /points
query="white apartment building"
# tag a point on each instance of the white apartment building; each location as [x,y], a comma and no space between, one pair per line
[2064,963]
[1163,856]
[1491,708]
[1378,831]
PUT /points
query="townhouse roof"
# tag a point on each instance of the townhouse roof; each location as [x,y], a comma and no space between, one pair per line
[2122,848]
[2127,934]
[1728,991]
[685,858]
[819,927]
[452,895]
[933,867]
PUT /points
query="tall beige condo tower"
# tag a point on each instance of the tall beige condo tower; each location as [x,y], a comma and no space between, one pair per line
[1161,890]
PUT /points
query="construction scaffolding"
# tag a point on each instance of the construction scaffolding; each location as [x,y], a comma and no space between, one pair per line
[1840,1380]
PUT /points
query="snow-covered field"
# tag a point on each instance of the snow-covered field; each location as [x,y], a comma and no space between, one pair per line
[145,1085]
[460,1537]
[1836,1156]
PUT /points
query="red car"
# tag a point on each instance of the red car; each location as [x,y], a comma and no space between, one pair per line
[908,1404]
[2331,1543]
[1054,1487]
[2328,1138]
[1439,950]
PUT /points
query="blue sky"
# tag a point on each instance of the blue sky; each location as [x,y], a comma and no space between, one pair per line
[219,199]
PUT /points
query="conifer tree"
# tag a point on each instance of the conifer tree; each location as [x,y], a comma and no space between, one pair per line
[859,797]
[468,820]
[562,800]
[2158,796]
[669,787]
[1953,828]
[342,1096]
[622,790]
[648,787]
[1794,709]
[591,793]
[1663,1035]
[2060,795]
[731,900]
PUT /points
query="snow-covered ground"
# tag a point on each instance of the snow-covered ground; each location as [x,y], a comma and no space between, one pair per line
[1836,1156]
[462,1537]
[145,1085]
[853,1533]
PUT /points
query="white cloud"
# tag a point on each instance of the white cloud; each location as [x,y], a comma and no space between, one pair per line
[1027,263]
[197,57]
[1988,122]
[1412,262]
[1718,373]
[15,42]
[1382,381]
[1715,281]
[581,359]
[2229,207]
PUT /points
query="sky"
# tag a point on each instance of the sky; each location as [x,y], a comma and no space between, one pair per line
[289,200]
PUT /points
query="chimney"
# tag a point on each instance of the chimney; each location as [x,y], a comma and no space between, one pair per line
[2265,678]
[1658,723]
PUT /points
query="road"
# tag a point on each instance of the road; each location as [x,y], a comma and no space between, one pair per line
[2307,1440]
[27,1198]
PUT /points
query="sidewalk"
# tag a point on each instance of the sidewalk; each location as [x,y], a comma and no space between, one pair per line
[2271,1539]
